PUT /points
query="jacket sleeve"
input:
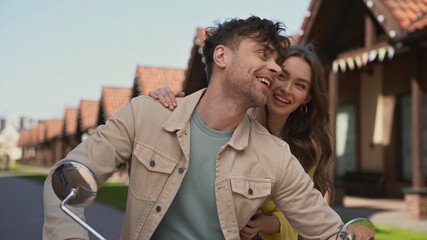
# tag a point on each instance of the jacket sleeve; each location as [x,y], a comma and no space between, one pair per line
[301,203]
[102,153]
[286,230]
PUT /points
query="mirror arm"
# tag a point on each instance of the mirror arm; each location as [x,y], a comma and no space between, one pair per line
[73,193]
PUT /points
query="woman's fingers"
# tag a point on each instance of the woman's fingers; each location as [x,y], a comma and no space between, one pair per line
[248,232]
[166,97]
[154,94]
[170,96]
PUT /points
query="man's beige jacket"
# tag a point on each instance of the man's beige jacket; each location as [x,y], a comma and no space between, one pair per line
[251,169]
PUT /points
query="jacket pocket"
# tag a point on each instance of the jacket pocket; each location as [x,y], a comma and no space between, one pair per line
[251,189]
[150,171]
[248,196]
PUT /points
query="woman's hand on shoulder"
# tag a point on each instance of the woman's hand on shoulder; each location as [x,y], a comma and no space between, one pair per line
[166,97]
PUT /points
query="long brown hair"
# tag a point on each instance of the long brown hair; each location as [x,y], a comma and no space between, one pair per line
[302,127]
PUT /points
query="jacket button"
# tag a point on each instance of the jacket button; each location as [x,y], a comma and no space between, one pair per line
[158,208]
[250,191]
[181,170]
[152,163]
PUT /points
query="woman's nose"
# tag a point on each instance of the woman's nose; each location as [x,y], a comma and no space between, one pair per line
[286,86]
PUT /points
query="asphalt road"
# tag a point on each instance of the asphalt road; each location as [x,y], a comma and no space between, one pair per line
[21,212]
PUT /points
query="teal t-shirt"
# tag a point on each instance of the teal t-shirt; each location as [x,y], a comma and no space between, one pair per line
[193,213]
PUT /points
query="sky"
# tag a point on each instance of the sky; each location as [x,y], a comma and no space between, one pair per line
[55,53]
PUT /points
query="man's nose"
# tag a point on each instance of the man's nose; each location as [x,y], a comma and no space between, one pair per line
[274,68]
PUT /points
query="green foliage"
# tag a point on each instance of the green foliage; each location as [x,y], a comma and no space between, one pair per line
[37,178]
[113,194]
[383,232]
[390,233]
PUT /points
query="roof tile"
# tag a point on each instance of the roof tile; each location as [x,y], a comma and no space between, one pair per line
[411,14]
[53,128]
[113,99]
[32,136]
[88,114]
[152,78]
[41,132]
[70,120]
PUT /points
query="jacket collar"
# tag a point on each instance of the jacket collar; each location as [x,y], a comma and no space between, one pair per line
[180,119]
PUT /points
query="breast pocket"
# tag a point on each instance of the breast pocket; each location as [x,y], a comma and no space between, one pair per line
[149,173]
[248,196]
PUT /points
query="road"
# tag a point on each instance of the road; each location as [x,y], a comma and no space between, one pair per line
[21,212]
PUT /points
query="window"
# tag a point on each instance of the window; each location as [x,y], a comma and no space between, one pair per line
[406,136]
[346,139]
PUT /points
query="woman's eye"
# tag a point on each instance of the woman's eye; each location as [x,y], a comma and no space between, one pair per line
[301,86]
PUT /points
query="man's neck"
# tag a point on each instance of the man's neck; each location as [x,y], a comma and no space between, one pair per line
[220,112]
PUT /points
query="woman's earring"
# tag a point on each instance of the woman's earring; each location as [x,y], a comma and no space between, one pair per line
[303,109]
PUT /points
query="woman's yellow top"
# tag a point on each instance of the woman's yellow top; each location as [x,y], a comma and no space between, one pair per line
[286,230]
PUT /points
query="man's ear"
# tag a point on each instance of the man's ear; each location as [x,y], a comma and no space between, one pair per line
[220,56]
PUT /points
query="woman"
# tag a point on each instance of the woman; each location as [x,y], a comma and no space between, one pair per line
[296,111]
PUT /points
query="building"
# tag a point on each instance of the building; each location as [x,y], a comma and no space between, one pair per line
[69,132]
[9,147]
[42,145]
[151,78]
[373,51]
[112,100]
[27,123]
[195,76]
[51,143]
[28,140]
[87,117]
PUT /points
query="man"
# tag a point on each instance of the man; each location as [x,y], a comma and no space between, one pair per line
[201,171]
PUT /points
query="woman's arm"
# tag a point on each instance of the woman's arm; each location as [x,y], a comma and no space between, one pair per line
[283,230]
[260,222]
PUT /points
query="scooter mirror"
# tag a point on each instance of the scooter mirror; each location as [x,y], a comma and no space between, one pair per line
[73,176]
[357,229]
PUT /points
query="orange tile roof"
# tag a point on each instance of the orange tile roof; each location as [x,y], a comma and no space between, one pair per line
[32,136]
[53,128]
[411,14]
[151,78]
[70,120]
[24,137]
[113,99]
[398,18]
[40,132]
[88,114]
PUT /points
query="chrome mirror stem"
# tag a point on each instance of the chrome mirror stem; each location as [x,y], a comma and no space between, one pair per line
[73,193]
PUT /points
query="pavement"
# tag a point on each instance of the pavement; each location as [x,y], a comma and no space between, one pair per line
[21,211]
[390,212]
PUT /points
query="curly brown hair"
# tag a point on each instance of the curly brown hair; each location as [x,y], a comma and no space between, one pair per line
[233,31]
[302,127]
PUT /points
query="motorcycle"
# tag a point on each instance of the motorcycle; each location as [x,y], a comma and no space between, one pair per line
[75,184]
